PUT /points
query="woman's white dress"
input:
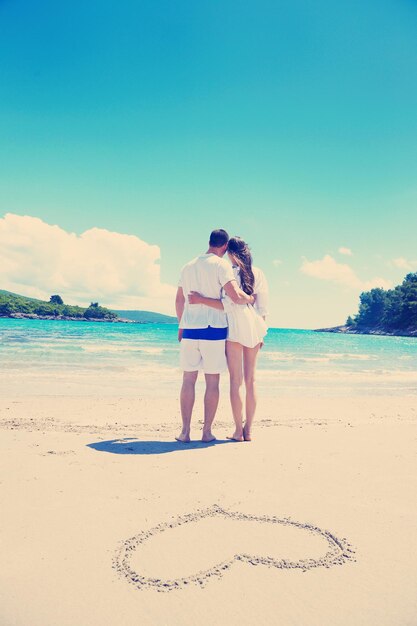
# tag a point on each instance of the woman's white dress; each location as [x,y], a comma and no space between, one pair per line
[245,322]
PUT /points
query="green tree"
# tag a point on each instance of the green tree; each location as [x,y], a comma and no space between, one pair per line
[372,306]
[409,301]
[393,309]
[43,308]
[7,308]
[94,311]
[56,299]
[11,303]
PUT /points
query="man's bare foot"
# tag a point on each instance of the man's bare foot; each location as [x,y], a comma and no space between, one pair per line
[207,437]
[237,436]
[183,438]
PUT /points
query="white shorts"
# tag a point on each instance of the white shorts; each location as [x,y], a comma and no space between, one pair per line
[209,356]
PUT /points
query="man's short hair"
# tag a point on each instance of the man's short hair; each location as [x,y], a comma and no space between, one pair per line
[218,238]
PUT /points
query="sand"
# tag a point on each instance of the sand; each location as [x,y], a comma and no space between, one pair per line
[106,520]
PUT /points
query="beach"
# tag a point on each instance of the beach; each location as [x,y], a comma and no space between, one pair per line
[107,520]
[219,166]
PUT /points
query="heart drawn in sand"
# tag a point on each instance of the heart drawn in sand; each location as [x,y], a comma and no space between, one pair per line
[197,547]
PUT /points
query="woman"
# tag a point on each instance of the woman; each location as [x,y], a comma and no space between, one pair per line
[247,329]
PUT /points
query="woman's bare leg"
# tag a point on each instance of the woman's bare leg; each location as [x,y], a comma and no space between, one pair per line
[234,353]
[250,356]
[211,401]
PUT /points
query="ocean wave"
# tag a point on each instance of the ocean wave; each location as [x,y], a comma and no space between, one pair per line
[351,356]
[319,358]
[120,348]
[5,339]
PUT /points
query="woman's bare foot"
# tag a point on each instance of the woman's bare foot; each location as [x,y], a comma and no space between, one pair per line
[208,436]
[183,437]
[237,436]
[246,435]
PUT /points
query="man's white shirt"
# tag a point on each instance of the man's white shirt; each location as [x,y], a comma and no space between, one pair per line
[206,274]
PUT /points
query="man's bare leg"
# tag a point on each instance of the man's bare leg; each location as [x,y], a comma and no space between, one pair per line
[211,402]
[187,399]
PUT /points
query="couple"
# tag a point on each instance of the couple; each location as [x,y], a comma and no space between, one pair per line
[221,309]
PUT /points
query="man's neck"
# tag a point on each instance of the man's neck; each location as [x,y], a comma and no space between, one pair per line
[216,251]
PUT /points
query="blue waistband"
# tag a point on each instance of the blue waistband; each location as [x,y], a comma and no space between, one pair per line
[209,333]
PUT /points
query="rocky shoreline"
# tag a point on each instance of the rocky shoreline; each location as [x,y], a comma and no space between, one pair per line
[66,318]
[350,330]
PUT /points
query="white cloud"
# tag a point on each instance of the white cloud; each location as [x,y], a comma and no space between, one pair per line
[277,262]
[329,269]
[120,271]
[345,251]
[403,264]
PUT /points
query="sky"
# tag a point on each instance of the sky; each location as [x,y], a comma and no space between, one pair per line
[129,130]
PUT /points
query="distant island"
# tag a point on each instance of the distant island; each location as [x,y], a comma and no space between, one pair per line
[15,306]
[146,317]
[384,312]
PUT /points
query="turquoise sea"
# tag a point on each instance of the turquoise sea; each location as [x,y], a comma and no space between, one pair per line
[37,356]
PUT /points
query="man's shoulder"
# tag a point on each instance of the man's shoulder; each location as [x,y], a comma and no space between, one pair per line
[218,261]
[210,259]
[222,261]
[223,268]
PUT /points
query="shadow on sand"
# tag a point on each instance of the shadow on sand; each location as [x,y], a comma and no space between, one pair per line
[130,445]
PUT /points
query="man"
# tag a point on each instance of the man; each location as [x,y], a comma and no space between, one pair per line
[203,330]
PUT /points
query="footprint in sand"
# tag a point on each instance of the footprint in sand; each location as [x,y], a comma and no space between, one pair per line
[194,548]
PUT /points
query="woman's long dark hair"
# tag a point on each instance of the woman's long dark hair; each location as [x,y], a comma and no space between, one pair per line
[241,252]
